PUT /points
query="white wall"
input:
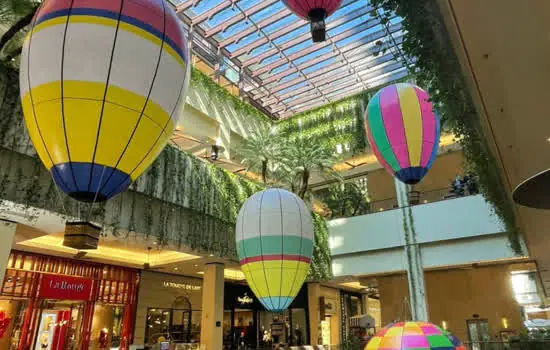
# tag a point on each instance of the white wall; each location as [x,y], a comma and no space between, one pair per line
[452,232]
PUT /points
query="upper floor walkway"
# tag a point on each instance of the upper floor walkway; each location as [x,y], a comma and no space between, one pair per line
[457,231]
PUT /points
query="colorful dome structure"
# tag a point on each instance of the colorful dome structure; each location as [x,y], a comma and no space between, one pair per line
[102,86]
[315,11]
[403,131]
[413,336]
[274,235]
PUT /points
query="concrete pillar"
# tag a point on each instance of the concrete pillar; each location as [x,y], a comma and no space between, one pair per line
[7,234]
[364,304]
[313,294]
[413,256]
[212,307]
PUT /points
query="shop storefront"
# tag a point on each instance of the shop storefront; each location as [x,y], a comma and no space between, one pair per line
[351,305]
[247,323]
[50,303]
[169,310]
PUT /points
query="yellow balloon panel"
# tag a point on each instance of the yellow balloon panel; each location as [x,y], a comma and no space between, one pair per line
[100,85]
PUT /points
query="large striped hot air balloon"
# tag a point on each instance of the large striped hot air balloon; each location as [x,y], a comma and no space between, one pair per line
[315,11]
[274,235]
[102,82]
[413,336]
[403,131]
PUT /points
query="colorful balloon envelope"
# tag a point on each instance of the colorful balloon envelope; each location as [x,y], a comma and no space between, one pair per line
[403,131]
[413,336]
[274,235]
[102,86]
[315,11]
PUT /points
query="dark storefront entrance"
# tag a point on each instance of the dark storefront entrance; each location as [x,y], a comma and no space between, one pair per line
[246,324]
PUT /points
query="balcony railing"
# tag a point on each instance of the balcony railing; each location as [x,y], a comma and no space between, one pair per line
[415,198]
[418,198]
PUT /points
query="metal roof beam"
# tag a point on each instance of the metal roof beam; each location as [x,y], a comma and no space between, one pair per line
[341,86]
[186,5]
[281,14]
[271,37]
[341,36]
[338,95]
[360,43]
[239,17]
[210,13]
[338,74]
[328,82]
[361,56]
[295,25]
[359,61]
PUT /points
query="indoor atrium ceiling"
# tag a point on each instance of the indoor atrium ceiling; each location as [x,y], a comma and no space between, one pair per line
[267,51]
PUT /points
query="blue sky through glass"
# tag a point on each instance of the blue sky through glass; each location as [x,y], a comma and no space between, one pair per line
[273,46]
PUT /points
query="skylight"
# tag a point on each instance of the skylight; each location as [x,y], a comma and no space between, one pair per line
[271,47]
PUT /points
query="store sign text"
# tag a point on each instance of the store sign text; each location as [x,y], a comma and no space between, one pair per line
[65,287]
[186,286]
[245,299]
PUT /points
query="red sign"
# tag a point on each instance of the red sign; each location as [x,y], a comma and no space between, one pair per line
[65,287]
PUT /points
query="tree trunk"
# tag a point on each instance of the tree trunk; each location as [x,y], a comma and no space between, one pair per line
[264,171]
[305,184]
[16,27]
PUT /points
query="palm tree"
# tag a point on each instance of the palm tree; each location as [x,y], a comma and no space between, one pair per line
[344,200]
[302,157]
[260,152]
[15,16]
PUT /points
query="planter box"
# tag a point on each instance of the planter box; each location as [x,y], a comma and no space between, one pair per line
[81,235]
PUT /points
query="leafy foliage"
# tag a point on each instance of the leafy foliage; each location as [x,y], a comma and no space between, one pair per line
[340,122]
[15,15]
[203,81]
[301,157]
[322,268]
[437,69]
[344,200]
[180,200]
[261,151]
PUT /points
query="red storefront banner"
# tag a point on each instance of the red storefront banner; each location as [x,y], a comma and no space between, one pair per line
[65,287]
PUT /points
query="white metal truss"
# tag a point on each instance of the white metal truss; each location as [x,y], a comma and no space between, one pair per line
[280,70]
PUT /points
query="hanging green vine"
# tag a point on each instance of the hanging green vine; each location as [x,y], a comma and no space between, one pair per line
[438,70]
[321,264]
[341,122]
[203,81]
[181,200]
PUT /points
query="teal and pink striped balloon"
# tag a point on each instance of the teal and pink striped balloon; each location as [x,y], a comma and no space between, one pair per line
[403,131]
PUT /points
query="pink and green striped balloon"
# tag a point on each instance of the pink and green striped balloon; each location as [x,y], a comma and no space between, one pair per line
[403,131]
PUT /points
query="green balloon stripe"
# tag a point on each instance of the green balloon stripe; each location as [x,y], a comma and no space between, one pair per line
[378,133]
[272,245]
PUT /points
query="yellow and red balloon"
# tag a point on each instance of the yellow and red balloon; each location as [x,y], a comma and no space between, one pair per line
[102,85]
[274,236]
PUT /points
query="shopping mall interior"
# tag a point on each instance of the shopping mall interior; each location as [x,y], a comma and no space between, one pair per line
[274,174]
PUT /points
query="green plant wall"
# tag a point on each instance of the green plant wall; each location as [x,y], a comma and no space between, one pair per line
[340,122]
[180,201]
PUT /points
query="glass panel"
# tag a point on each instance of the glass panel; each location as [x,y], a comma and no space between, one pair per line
[274,328]
[14,310]
[157,325]
[58,326]
[106,327]
[299,327]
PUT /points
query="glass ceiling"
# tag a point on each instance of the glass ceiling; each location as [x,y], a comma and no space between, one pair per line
[267,51]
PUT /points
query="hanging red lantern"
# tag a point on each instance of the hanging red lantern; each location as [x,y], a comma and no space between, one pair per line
[315,11]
